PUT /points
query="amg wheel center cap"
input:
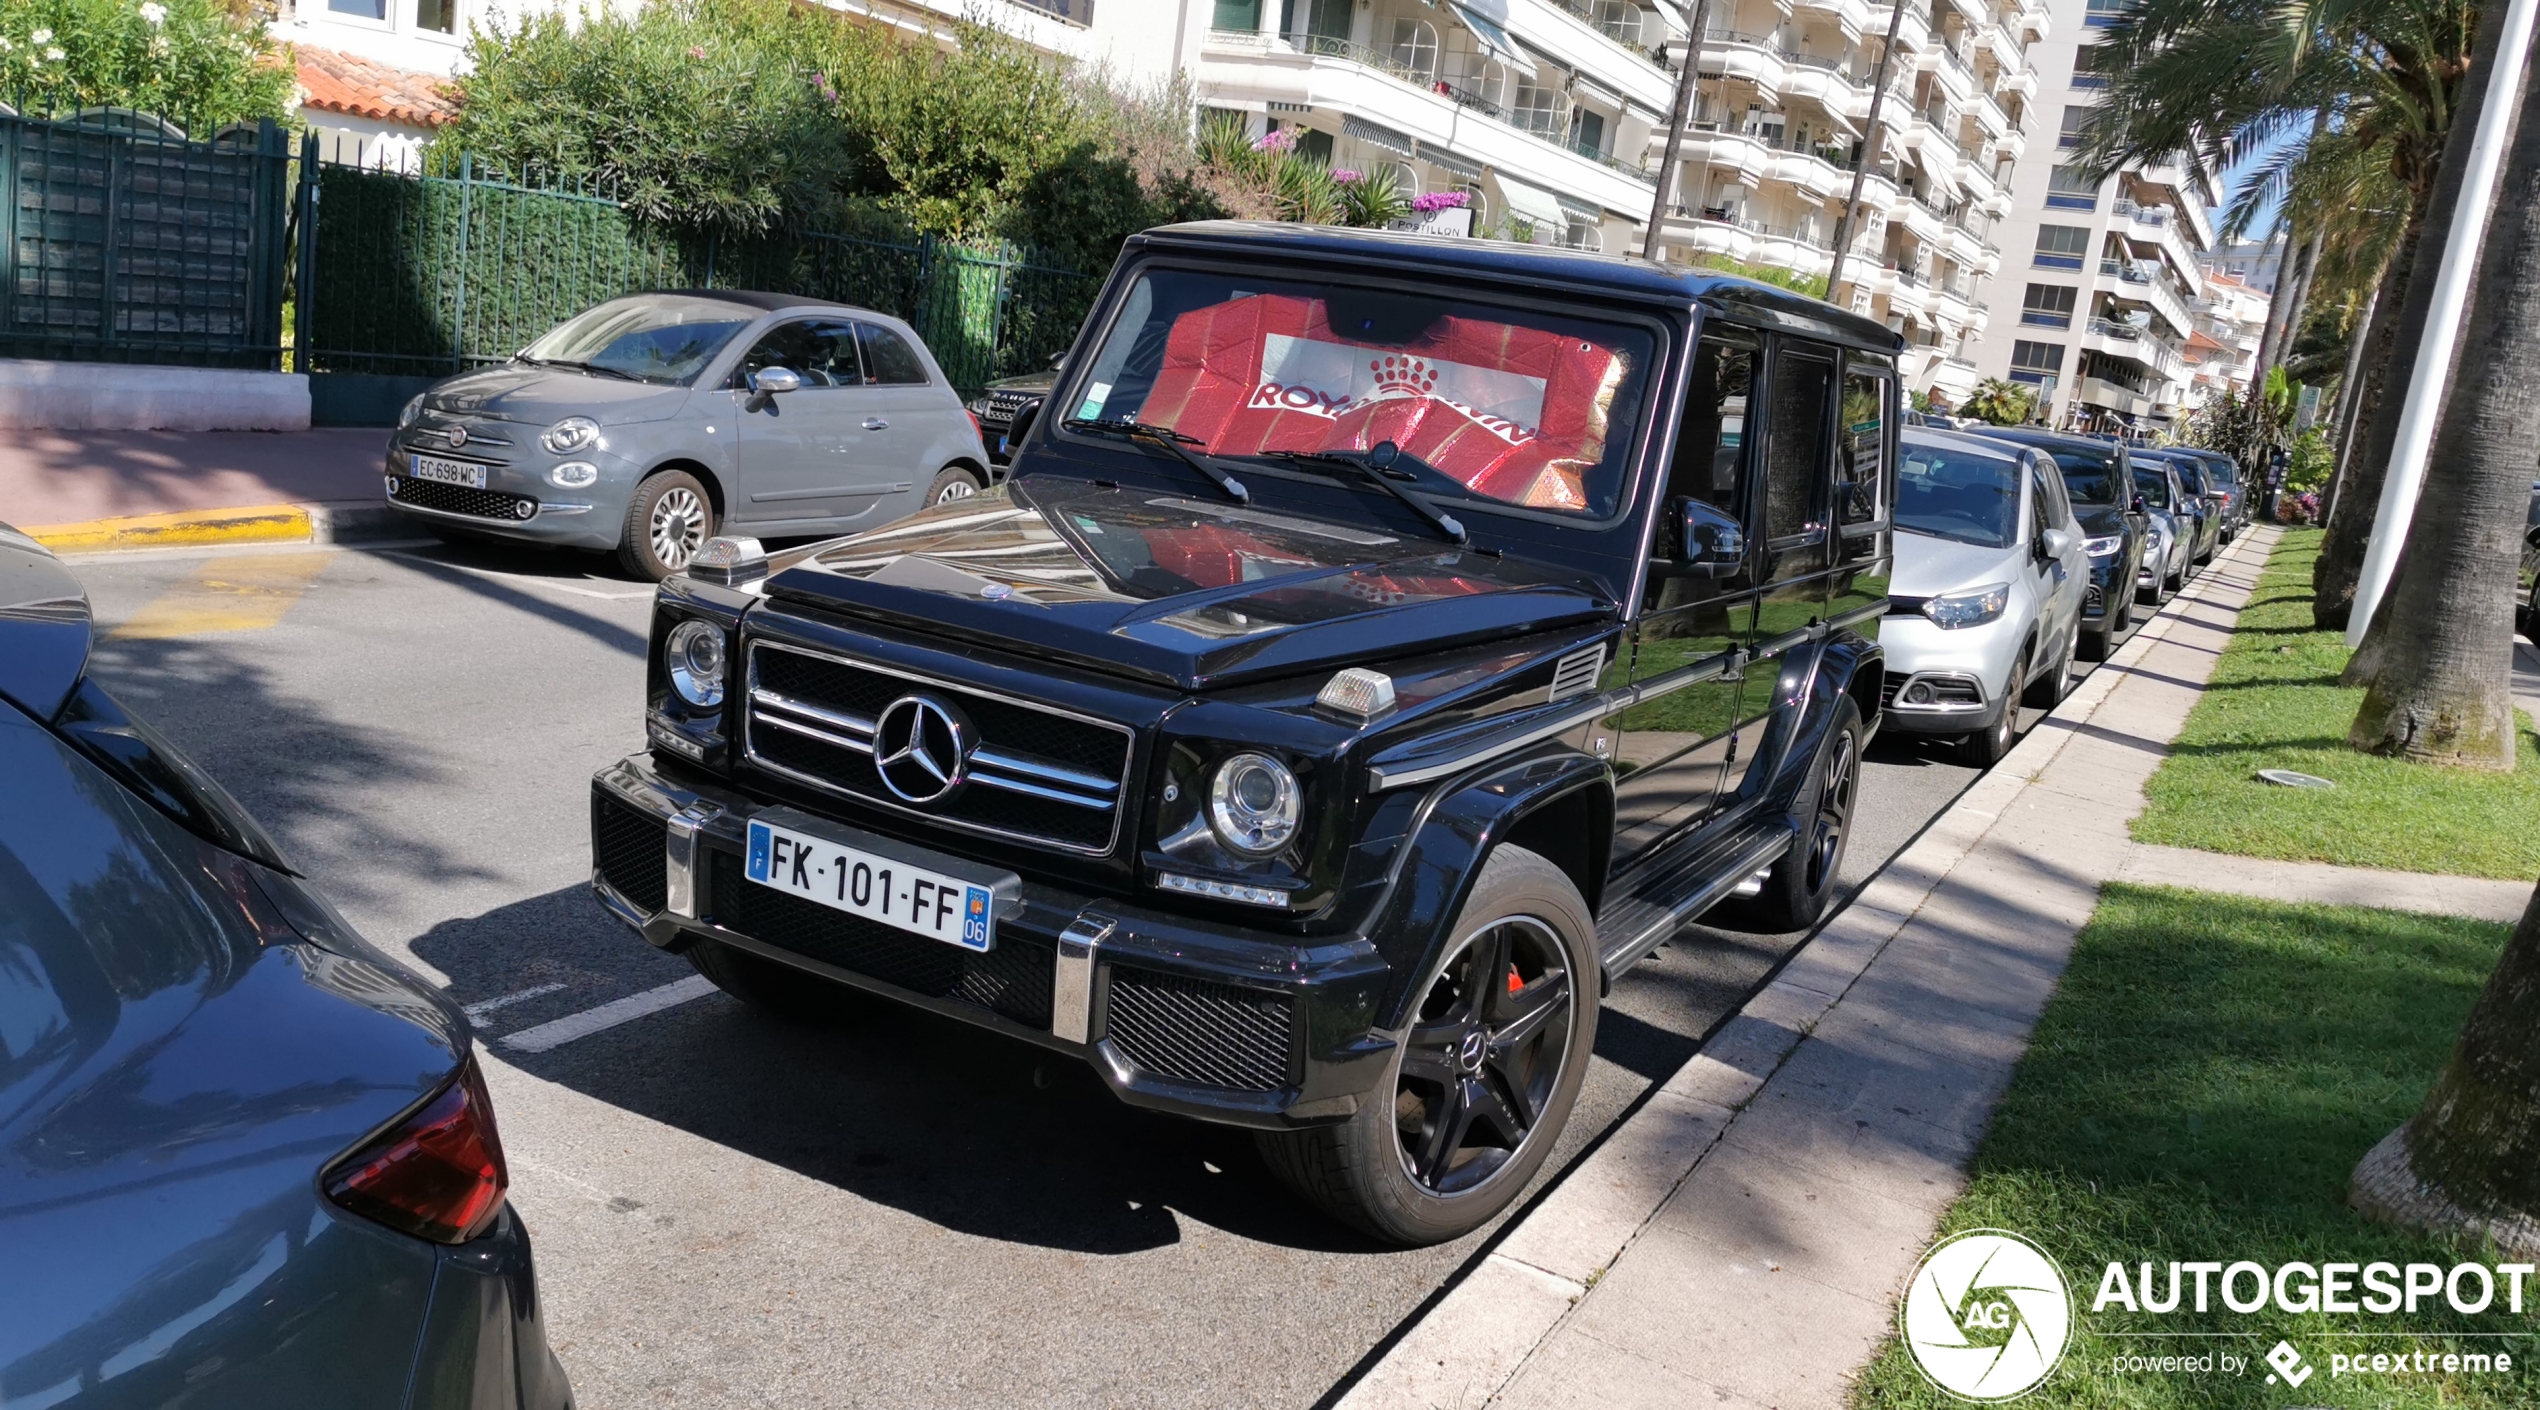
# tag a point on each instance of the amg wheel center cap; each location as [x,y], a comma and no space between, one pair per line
[921,748]
[1470,1051]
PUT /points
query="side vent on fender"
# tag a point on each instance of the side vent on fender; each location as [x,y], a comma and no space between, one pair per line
[1576,673]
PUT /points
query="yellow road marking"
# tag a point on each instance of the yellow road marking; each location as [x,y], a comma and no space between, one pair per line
[196,528]
[245,593]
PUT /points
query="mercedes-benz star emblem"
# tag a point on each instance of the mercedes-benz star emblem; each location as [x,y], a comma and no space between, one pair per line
[921,747]
[1469,1054]
[458,436]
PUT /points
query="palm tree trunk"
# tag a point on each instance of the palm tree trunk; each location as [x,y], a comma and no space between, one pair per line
[2269,338]
[2443,678]
[2350,397]
[2469,1161]
[2307,270]
[2341,562]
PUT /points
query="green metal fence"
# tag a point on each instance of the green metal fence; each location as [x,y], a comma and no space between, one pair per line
[125,241]
[408,276]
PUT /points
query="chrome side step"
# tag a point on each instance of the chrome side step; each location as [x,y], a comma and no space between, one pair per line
[1631,929]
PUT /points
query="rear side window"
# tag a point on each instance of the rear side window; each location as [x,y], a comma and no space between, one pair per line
[1796,465]
[892,362]
[1860,447]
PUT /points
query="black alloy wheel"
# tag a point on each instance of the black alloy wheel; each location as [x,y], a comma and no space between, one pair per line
[1482,1058]
[1488,1065]
[1797,889]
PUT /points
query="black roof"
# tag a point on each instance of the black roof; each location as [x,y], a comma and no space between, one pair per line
[757,299]
[2050,440]
[1618,276]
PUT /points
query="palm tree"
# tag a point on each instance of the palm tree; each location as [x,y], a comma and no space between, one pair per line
[1999,403]
[2441,684]
[2228,78]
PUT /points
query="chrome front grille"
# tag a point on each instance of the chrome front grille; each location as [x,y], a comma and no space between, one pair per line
[1031,773]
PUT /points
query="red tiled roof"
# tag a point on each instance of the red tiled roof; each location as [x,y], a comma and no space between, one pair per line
[343,83]
[2198,342]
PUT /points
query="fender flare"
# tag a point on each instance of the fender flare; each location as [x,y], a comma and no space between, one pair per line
[1442,855]
[1812,683]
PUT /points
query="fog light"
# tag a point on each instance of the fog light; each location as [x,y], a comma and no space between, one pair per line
[1918,694]
[573,474]
[1222,890]
[527,508]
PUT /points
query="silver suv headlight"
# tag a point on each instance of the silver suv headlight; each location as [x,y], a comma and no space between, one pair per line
[1968,609]
[1253,804]
[571,434]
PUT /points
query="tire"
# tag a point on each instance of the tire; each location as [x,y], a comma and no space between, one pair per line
[2048,691]
[952,483]
[1397,1169]
[1798,887]
[668,518]
[1985,748]
[772,988]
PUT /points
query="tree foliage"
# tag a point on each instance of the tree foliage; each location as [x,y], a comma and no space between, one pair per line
[196,62]
[2249,426]
[1999,403]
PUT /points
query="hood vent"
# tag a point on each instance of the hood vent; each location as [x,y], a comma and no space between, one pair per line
[1577,672]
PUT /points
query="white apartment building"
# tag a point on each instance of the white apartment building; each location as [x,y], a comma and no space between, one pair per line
[2097,301]
[2222,353]
[1769,163]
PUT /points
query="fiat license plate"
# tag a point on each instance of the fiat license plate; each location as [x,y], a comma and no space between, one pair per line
[449,472]
[916,899]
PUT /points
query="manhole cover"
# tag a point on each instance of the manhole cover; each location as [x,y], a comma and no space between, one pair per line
[2286,778]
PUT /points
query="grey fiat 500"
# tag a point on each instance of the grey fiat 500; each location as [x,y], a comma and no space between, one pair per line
[650,423]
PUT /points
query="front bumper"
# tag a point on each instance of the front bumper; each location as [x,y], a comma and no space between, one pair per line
[516,503]
[1206,1021]
[1949,681]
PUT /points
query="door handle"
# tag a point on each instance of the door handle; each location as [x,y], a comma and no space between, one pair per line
[876,423]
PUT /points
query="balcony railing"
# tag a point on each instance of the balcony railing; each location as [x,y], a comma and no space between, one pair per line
[1587,15]
[1541,124]
[1718,215]
[2141,214]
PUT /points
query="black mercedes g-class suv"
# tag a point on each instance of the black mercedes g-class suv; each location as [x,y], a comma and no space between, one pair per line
[1383,642]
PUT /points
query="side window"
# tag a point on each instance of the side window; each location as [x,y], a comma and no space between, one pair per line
[891,360]
[1711,442]
[2059,505]
[1796,451]
[821,350]
[2041,513]
[1861,453]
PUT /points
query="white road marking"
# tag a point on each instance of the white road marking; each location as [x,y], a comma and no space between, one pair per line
[483,1007]
[609,1015]
[525,579]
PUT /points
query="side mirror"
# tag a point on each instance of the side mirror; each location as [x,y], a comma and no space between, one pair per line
[2053,544]
[768,381]
[1709,544]
[1020,426]
[2141,505]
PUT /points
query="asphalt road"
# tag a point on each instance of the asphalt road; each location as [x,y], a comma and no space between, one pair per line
[729,1210]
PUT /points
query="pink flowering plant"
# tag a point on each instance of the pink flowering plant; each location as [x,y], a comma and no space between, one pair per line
[1435,201]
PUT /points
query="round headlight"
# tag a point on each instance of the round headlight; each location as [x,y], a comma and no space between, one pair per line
[695,655]
[1253,804]
[571,434]
[573,474]
[413,408]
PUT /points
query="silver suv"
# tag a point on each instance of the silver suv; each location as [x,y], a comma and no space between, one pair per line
[650,423]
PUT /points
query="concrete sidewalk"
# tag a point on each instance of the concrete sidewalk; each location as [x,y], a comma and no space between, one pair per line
[120,489]
[1740,1240]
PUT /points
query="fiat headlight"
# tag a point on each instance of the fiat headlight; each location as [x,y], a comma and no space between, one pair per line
[413,408]
[1253,804]
[1968,609]
[571,434]
[695,655]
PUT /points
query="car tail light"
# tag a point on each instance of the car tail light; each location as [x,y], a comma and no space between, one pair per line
[975,427]
[438,1173]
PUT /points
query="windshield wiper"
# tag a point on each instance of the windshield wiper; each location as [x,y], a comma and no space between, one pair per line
[1172,440]
[590,367]
[1376,467]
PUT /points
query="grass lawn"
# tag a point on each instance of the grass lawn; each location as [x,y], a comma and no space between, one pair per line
[2202,1084]
[2274,703]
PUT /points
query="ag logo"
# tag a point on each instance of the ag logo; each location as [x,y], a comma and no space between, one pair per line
[1987,1315]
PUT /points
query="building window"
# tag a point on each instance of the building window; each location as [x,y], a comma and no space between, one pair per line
[2087,70]
[2076,118]
[1242,15]
[2048,306]
[1415,47]
[1620,20]
[1587,132]
[2069,190]
[1537,108]
[2037,357]
[2102,13]
[2062,246]
[1584,235]
[363,9]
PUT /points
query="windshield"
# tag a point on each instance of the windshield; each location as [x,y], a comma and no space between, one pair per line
[2219,467]
[662,338]
[1510,406]
[2088,478]
[2153,486]
[1963,496]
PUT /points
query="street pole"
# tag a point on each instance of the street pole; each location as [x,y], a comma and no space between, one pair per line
[1869,149]
[1685,82]
[2424,402]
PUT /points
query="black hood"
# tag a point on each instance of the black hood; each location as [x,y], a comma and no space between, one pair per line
[517,391]
[1185,591]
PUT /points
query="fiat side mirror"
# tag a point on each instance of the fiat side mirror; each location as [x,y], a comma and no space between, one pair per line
[767,382]
[1709,544]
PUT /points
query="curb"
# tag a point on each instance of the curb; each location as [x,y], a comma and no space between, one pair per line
[336,522]
[1472,1340]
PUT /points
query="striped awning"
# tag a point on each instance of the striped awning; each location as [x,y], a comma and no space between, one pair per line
[1397,143]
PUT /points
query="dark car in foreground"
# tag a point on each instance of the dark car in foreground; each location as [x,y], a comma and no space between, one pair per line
[246,1160]
[2116,534]
[1397,640]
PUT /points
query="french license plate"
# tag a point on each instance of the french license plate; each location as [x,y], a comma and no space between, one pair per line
[916,899]
[449,472]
